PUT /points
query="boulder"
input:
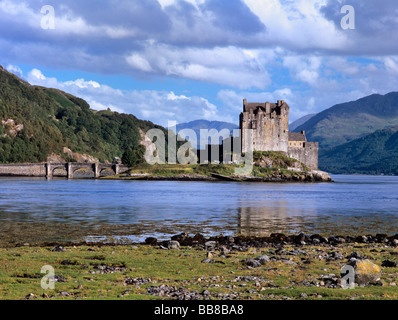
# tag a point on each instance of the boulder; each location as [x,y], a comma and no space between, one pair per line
[151,240]
[173,244]
[251,263]
[263,259]
[208,260]
[59,248]
[366,272]
[210,245]
[389,264]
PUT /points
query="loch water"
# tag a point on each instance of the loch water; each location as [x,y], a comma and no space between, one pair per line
[67,210]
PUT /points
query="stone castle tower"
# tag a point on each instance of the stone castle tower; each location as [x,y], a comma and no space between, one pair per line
[269,123]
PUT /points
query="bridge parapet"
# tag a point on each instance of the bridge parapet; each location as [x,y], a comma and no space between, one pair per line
[47,169]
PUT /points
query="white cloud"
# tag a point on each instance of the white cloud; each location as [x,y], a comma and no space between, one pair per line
[156,106]
[165,3]
[298,24]
[231,66]
[36,74]
[391,64]
[301,55]
[172,96]
[304,68]
[15,69]
[139,62]
[67,22]
[81,83]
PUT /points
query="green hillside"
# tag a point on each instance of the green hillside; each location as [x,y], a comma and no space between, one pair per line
[345,122]
[36,122]
[376,153]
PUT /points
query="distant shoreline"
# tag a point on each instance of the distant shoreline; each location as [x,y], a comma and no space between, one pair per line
[193,178]
[302,178]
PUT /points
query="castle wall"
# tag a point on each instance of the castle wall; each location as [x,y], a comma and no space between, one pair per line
[307,155]
[269,127]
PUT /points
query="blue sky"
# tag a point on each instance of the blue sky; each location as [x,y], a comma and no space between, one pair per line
[182,60]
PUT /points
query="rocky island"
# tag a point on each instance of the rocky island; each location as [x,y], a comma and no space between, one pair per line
[269,166]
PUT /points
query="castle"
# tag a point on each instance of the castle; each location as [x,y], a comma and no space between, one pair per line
[269,123]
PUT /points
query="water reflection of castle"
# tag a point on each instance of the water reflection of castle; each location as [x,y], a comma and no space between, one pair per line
[280,216]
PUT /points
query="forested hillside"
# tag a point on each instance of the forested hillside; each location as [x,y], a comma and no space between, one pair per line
[36,122]
[376,153]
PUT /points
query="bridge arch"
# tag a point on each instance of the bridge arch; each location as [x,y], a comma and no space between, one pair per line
[72,167]
[59,167]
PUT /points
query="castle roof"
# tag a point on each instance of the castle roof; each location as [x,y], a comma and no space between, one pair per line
[254,106]
[297,136]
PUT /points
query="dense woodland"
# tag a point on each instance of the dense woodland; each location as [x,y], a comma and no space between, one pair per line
[53,119]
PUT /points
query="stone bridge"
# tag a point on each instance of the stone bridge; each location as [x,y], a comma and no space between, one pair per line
[48,169]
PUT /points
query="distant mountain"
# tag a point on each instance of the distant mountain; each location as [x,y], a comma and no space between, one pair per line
[301,121]
[38,123]
[376,153]
[345,122]
[197,125]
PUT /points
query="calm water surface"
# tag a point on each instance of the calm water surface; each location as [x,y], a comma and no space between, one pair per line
[57,209]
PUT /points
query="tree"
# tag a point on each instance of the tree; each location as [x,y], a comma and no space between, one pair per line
[132,157]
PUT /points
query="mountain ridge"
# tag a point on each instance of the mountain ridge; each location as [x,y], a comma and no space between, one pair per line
[300,121]
[197,125]
[348,121]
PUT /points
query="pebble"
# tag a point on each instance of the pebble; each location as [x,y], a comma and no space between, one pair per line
[205,293]
[137,281]
[59,249]
[30,296]
[208,260]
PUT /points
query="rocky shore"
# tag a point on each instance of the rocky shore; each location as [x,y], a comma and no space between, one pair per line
[277,239]
[278,177]
[195,267]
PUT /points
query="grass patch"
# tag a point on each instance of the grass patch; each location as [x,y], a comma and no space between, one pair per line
[181,169]
[131,272]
